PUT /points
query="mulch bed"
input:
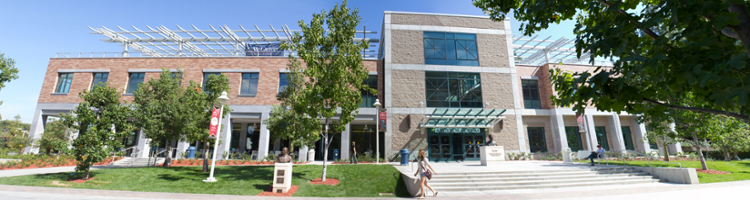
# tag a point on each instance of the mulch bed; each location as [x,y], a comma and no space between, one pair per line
[269,192]
[329,181]
[80,180]
[711,171]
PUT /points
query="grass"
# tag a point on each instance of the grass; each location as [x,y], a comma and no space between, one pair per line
[355,180]
[740,170]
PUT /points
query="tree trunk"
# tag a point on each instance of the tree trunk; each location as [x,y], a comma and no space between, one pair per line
[168,156]
[205,156]
[86,174]
[700,151]
[666,152]
[325,153]
[726,156]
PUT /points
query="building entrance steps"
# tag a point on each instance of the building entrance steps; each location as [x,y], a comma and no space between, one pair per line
[137,162]
[519,175]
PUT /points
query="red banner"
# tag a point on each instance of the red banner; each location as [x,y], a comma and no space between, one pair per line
[579,118]
[213,129]
[382,117]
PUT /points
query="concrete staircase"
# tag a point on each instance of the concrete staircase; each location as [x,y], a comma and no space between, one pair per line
[538,179]
[136,162]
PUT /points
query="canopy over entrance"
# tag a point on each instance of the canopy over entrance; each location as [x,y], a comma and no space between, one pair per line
[464,118]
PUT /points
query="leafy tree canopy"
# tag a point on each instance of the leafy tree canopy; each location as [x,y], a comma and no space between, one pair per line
[662,49]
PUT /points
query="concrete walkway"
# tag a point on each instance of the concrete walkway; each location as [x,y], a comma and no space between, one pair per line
[50,170]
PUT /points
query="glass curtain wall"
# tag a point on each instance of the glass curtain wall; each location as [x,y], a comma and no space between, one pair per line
[364,137]
[453,90]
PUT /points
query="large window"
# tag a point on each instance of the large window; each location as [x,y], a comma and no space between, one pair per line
[573,135]
[99,78]
[368,98]
[63,82]
[235,141]
[628,138]
[135,79]
[536,139]
[453,89]
[283,82]
[178,76]
[205,78]
[450,49]
[531,94]
[249,85]
[601,137]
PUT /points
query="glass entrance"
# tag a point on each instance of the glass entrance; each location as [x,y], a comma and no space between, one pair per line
[455,145]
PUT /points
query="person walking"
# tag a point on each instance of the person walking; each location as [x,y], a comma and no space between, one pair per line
[599,153]
[424,173]
[353,154]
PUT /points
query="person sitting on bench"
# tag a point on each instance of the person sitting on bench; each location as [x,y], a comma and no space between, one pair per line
[597,154]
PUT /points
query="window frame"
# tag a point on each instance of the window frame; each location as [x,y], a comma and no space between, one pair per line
[449,43]
[94,83]
[205,78]
[528,100]
[130,82]
[250,79]
[364,93]
[434,85]
[279,88]
[69,81]
[539,131]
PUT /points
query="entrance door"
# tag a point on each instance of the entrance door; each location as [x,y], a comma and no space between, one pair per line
[455,146]
[471,146]
[440,147]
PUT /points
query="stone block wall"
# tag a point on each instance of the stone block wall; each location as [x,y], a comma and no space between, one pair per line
[443,20]
[497,91]
[408,88]
[407,47]
[406,134]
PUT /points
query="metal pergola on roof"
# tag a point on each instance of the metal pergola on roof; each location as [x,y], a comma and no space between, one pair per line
[533,51]
[161,41]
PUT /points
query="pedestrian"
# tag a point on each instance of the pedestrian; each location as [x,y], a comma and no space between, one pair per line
[353,154]
[424,173]
[599,153]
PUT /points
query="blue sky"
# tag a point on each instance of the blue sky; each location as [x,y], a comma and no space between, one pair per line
[32,32]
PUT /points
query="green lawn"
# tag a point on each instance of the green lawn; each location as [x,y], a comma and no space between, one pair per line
[740,169]
[355,180]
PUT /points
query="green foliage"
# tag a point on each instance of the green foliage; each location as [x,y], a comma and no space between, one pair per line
[334,72]
[661,50]
[56,137]
[8,72]
[733,136]
[99,118]
[14,135]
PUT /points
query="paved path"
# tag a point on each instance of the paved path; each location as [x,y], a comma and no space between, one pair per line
[50,170]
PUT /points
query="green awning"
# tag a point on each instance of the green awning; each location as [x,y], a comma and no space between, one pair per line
[464,118]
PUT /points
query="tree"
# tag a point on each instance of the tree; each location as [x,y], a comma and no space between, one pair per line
[8,72]
[334,72]
[734,136]
[206,100]
[662,134]
[99,119]
[14,134]
[169,112]
[661,46]
[57,136]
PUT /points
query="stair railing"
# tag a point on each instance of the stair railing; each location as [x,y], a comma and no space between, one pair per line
[121,150]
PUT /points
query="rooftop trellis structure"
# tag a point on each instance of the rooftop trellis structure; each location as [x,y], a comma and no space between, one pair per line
[536,51]
[223,41]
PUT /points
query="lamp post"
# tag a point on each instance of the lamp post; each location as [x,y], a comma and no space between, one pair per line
[222,100]
[377,131]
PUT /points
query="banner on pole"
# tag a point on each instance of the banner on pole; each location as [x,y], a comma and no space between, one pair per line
[213,129]
[579,118]
[382,116]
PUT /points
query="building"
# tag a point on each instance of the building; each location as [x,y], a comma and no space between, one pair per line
[446,83]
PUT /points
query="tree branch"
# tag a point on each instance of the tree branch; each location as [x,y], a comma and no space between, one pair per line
[648,31]
[718,112]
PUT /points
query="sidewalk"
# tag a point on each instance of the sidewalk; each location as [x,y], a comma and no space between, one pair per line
[50,170]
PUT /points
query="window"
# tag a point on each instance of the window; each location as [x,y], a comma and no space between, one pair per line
[531,94]
[283,82]
[63,82]
[235,141]
[651,143]
[99,78]
[249,85]
[453,89]
[175,75]
[205,78]
[367,97]
[628,138]
[536,139]
[574,138]
[601,137]
[450,49]
[135,79]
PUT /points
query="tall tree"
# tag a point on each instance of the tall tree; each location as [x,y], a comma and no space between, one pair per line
[658,46]
[204,102]
[168,111]
[8,72]
[334,72]
[734,136]
[99,118]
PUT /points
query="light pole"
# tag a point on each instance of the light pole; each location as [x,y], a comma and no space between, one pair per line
[222,100]
[377,131]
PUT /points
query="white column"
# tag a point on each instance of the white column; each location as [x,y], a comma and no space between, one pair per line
[226,138]
[143,145]
[558,131]
[302,157]
[345,143]
[639,134]
[36,130]
[590,131]
[264,139]
[676,147]
[615,131]
[182,149]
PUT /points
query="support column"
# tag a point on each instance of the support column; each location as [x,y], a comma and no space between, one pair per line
[143,145]
[36,130]
[225,137]
[558,131]
[182,149]
[264,138]
[302,157]
[345,143]
[639,134]
[676,147]
[591,131]
[615,132]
